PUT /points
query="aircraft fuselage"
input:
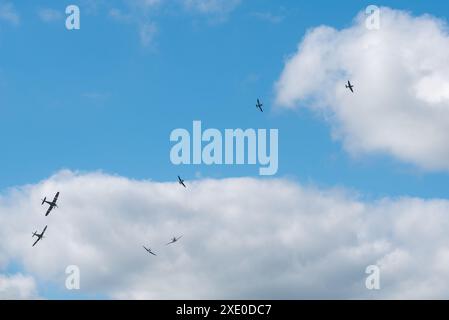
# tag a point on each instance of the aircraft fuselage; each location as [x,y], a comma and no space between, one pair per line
[52,204]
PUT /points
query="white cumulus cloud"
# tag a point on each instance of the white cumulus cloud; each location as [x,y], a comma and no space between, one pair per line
[242,238]
[401,76]
[17,286]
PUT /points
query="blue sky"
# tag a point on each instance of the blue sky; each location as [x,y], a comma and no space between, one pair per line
[99,99]
[96,99]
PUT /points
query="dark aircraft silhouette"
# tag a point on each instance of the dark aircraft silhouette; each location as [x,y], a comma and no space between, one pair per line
[350,86]
[149,250]
[181,182]
[259,105]
[52,203]
[39,236]
[173,240]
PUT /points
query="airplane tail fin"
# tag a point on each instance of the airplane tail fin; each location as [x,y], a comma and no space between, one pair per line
[34,234]
[43,201]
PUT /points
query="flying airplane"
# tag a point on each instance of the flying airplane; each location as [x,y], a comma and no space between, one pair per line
[149,250]
[52,203]
[174,240]
[181,182]
[350,86]
[259,105]
[39,236]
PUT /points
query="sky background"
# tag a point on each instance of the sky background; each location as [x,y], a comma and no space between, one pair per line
[97,98]
[106,97]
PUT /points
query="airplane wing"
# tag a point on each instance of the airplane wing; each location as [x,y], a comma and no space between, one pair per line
[43,231]
[169,243]
[56,197]
[180,236]
[350,88]
[49,210]
[182,182]
[36,241]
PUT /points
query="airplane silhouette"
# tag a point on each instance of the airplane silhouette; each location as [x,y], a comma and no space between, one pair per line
[173,240]
[350,86]
[52,203]
[149,250]
[181,182]
[259,105]
[39,236]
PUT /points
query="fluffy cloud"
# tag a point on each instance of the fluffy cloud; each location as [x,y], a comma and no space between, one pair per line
[243,238]
[17,286]
[401,75]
